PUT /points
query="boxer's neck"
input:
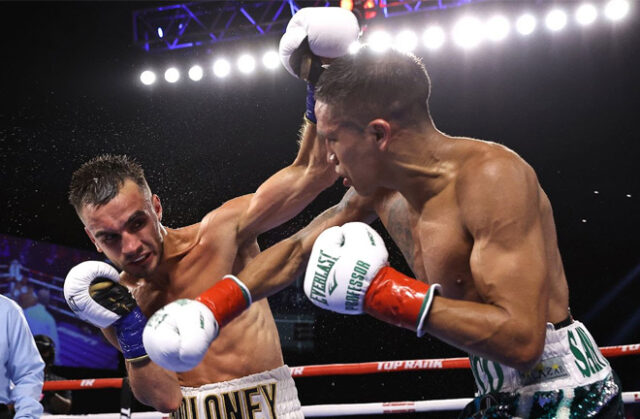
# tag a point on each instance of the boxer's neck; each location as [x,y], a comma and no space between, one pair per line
[418,164]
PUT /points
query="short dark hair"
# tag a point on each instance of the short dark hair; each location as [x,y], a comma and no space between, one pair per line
[99,180]
[368,85]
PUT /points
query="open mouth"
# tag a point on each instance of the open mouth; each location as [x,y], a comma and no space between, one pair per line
[140,260]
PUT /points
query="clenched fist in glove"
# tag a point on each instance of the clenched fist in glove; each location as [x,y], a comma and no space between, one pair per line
[93,292]
[314,35]
[178,335]
[348,273]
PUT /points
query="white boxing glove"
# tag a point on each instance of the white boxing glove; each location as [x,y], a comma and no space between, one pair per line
[76,292]
[348,274]
[178,335]
[93,292]
[324,31]
[342,265]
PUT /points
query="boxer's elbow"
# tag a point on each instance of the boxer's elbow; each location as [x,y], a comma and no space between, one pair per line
[163,401]
[526,349]
[168,404]
[527,357]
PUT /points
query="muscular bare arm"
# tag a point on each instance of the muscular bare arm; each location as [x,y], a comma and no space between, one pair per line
[151,384]
[499,204]
[281,264]
[291,189]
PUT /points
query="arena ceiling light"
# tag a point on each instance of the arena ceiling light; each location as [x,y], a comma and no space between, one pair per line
[172,75]
[148,77]
[556,20]
[586,14]
[407,41]
[380,41]
[497,28]
[246,63]
[196,73]
[616,9]
[221,68]
[526,24]
[468,32]
[433,37]
[355,47]
[271,60]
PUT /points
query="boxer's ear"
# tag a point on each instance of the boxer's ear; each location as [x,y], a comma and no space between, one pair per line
[157,206]
[381,129]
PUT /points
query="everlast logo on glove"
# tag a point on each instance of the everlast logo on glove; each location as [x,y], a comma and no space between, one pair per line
[319,287]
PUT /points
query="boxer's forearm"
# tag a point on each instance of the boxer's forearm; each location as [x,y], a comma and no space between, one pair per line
[486,330]
[274,269]
[154,386]
[151,384]
[287,192]
[284,262]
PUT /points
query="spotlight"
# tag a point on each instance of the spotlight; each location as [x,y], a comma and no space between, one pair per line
[433,37]
[271,60]
[468,32]
[556,20]
[160,32]
[172,75]
[355,47]
[497,28]
[616,9]
[380,41]
[148,77]
[221,68]
[586,14]
[196,73]
[526,24]
[246,63]
[406,41]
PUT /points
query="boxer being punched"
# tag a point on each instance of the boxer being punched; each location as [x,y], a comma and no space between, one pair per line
[123,219]
[476,228]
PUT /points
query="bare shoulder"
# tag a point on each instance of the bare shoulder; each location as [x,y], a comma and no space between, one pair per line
[495,186]
[224,220]
[487,165]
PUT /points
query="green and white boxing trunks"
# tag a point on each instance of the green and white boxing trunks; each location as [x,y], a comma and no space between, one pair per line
[266,395]
[572,380]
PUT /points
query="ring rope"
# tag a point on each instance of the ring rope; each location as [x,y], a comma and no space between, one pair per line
[338,369]
[333,410]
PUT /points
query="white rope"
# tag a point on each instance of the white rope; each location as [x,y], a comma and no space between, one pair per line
[326,410]
[331,410]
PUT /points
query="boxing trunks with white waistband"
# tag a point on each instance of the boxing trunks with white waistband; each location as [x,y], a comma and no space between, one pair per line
[572,379]
[266,395]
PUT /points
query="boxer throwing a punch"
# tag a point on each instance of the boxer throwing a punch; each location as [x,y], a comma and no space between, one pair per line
[160,265]
[476,228]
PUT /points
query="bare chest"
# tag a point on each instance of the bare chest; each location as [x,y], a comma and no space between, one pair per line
[432,240]
[187,277]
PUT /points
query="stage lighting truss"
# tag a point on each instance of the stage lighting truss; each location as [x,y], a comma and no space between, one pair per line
[468,32]
[193,24]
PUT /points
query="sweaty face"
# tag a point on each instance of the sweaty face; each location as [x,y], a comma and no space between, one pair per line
[127,229]
[350,148]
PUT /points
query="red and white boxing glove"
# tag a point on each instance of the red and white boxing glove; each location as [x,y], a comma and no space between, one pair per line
[348,273]
[179,334]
